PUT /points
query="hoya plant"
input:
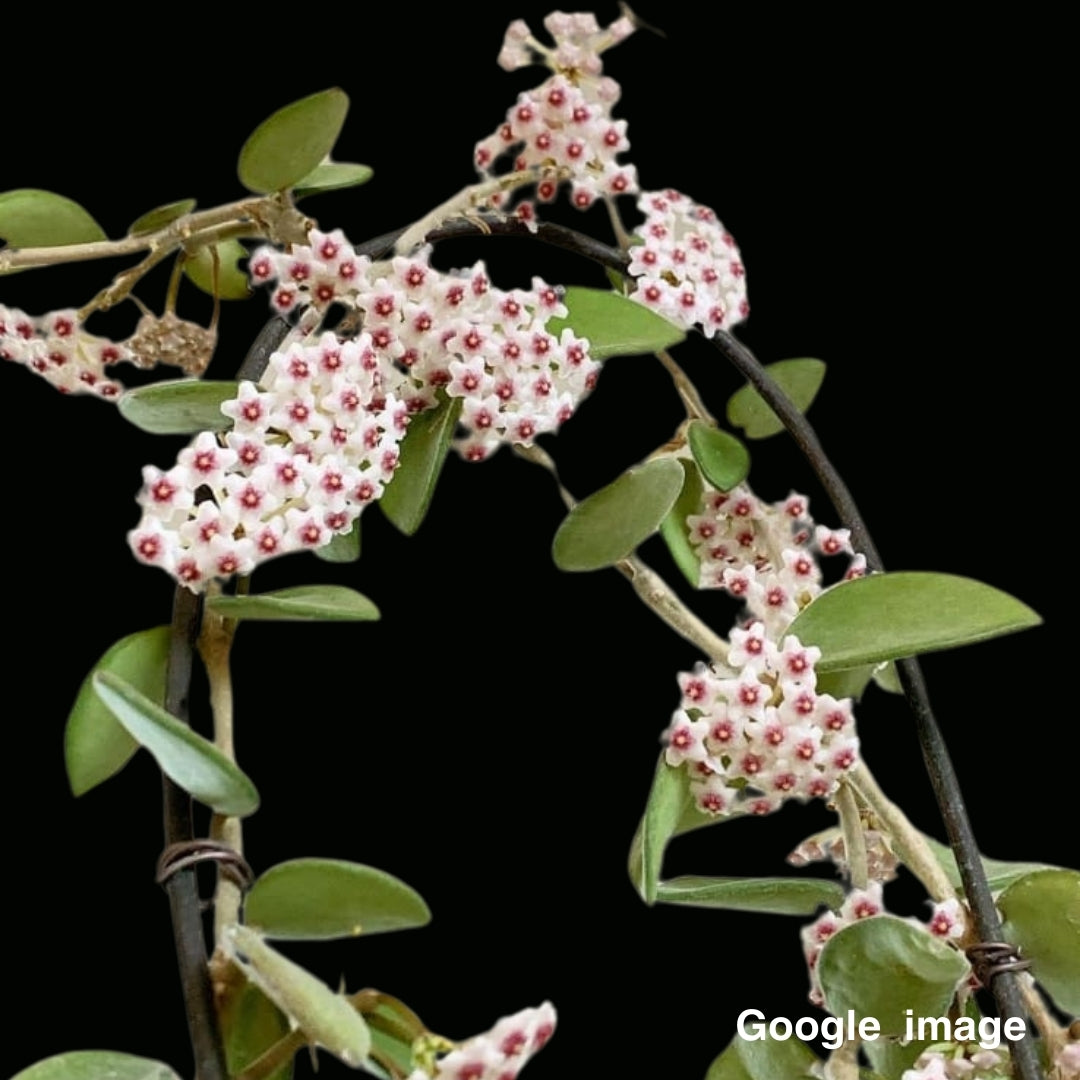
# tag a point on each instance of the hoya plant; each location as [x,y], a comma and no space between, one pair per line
[547,547]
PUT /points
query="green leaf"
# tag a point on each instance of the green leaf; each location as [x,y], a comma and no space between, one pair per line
[1000,874]
[329,898]
[326,1018]
[674,529]
[847,682]
[888,679]
[723,460]
[610,523]
[160,216]
[33,218]
[423,451]
[97,1065]
[289,145]
[776,896]
[301,603]
[1042,917]
[330,176]
[188,759]
[179,406]
[883,965]
[343,547]
[667,799]
[95,745]
[614,324]
[799,379]
[232,282]
[764,1059]
[890,616]
[250,1024]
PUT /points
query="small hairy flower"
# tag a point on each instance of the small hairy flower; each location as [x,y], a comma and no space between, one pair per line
[757,733]
[687,267]
[499,1054]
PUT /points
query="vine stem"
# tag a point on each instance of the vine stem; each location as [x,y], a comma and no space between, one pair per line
[935,753]
[182,887]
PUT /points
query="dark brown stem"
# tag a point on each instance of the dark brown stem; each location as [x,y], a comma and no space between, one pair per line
[182,887]
[935,753]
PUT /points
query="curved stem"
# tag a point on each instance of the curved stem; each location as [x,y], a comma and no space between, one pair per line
[935,753]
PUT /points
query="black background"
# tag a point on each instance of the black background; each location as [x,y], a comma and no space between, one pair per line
[492,739]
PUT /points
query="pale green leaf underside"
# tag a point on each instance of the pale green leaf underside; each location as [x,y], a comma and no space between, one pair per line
[331,176]
[96,746]
[188,759]
[231,282]
[614,325]
[290,144]
[1042,916]
[30,217]
[330,898]
[800,380]
[882,966]
[407,497]
[97,1065]
[777,896]
[326,1018]
[674,529]
[891,616]
[179,406]
[767,1059]
[301,603]
[612,522]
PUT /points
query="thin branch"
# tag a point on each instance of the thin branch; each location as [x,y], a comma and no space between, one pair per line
[182,887]
[935,753]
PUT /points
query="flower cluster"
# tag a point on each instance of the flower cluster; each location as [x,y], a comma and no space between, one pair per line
[958,1064]
[564,128]
[429,330]
[60,350]
[759,734]
[946,922]
[308,451]
[500,1054]
[764,553]
[687,267]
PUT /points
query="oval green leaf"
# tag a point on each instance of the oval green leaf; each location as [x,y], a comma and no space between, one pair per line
[33,218]
[799,379]
[882,966]
[326,1018]
[891,616]
[772,896]
[330,898]
[610,523]
[764,1059]
[160,216]
[188,759]
[232,282]
[343,547]
[250,1024]
[674,529]
[614,325]
[723,460]
[97,1065]
[1042,917]
[332,175]
[179,406]
[302,603]
[289,145]
[95,745]
[407,497]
